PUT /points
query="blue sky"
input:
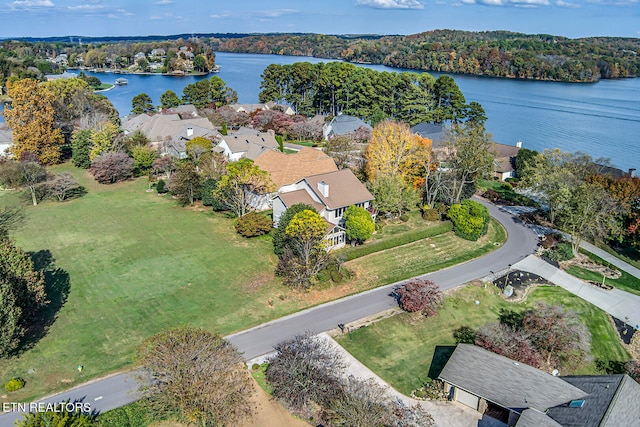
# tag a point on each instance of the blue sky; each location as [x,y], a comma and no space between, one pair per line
[571,18]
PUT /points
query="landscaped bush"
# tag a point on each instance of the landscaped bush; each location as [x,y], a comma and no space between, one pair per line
[14,384]
[253,224]
[358,224]
[470,219]
[420,295]
[112,167]
[465,335]
[429,214]
[208,199]
[161,186]
[65,187]
[560,252]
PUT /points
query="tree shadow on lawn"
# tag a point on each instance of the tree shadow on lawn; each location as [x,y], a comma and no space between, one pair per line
[441,355]
[57,287]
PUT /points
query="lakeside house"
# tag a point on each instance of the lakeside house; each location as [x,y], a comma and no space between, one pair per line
[330,194]
[247,143]
[251,108]
[504,162]
[343,125]
[516,394]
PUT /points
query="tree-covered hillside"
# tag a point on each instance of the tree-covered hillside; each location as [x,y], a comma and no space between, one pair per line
[494,53]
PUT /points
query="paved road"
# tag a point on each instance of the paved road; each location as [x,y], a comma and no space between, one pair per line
[119,390]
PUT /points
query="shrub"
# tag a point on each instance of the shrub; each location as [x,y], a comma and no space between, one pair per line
[560,252]
[255,366]
[430,214]
[161,186]
[64,187]
[419,295]
[112,167]
[470,219]
[253,224]
[14,384]
[358,224]
[506,186]
[404,217]
[465,335]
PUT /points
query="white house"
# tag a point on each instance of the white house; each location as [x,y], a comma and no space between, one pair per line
[329,194]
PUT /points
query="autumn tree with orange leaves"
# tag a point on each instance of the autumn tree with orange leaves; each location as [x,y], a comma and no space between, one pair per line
[31,118]
[395,150]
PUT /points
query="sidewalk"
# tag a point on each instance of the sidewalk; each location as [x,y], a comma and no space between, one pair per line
[622,305]
[445,414]
[611,259]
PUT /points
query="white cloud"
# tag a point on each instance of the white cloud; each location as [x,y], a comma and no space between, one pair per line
[86,7]
[275,13]
[162,2]
[391,4]
[561,3]
[31,4]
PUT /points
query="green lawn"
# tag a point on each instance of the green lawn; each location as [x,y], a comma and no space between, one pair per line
[400,349]
[626,282]
[423,256]
[138,263]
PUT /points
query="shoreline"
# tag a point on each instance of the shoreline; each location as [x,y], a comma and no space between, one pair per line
[120,73]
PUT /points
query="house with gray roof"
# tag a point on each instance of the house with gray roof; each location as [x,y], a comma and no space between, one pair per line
[247,143]
[169,132]
[520,395]
[431,131]
[330,194]
[343,125]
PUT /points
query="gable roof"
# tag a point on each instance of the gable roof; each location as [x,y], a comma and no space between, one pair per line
[533,418]
[345,188]
[300,196]
[290,168]
[510,384]
[163,127]
[429,130]
[252,144]
[504,150]
[613,400]
[344,125]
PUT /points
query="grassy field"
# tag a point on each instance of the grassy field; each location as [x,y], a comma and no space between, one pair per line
[132,263]
[138,263]
[626,282]
[422,257]
[400,349]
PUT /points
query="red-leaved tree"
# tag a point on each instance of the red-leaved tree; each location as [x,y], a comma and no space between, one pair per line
[419,295]
[112,167]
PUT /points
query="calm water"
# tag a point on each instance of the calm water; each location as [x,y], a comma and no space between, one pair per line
[602,119]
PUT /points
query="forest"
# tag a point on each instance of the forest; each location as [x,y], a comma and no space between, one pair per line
[494,53]
[340,87]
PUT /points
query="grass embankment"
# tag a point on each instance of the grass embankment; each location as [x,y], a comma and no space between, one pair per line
[134,263]
[422,256]
[400,349]
[626,282]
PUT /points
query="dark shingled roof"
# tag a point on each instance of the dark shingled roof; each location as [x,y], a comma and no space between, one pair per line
[429,130]
[613,400]
[533,418]
[507,383]
[344,125]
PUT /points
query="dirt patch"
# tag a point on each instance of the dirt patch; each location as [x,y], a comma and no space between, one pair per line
[257,282]
[270,413]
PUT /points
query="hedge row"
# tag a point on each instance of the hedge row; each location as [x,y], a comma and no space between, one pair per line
[401,239]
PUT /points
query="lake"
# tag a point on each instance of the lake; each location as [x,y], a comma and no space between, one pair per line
[602,119]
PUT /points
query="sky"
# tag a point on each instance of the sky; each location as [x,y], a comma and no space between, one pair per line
[570,18]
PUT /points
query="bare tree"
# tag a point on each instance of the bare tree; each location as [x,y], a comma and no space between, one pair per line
[32,174]
[64,186]
[196,375]
[304,369]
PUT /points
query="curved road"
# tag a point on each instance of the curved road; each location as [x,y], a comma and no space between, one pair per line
[120,389]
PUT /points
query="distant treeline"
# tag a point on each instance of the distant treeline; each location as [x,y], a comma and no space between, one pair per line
[340,87]
[494,53]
